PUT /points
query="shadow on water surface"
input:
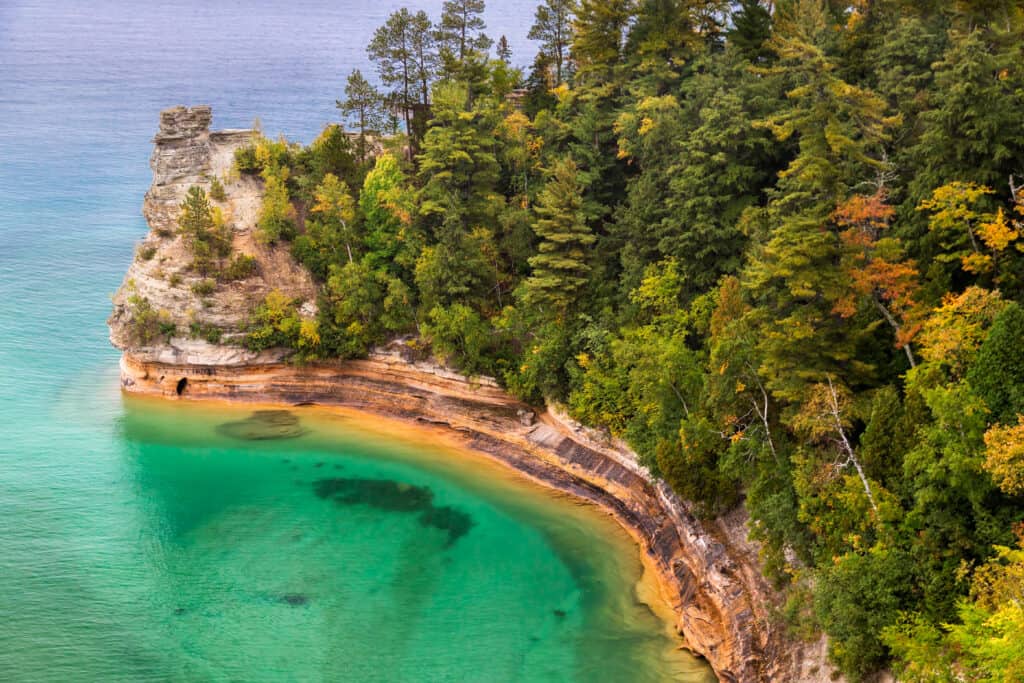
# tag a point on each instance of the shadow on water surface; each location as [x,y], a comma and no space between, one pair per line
[394,496]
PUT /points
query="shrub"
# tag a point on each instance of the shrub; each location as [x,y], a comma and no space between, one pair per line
[217,192]
[146,252]
[242,266]
[246,161]
[207,331]
[204,287]
[275,324]
[174,280]
[146,323]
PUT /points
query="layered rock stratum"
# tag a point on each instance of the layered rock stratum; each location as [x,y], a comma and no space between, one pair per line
[727,611]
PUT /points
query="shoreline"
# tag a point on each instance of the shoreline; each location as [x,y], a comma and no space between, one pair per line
[708,571]
[652,588]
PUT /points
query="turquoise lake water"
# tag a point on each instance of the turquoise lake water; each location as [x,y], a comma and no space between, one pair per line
[150,541]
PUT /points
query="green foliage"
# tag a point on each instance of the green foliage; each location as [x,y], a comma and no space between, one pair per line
[462,337]
[552,28]
[147,324]
[204,287]
[241,267]
[560,267]
[774,250]
[751,29]
[275,323]
[217,192]
[987,645]
[403,50]
[972,124]
[363,108]
[206,331]
[350,310]
[203,230]
[387,207]
[277,215]
[997,374]
[460,34]
[858,597]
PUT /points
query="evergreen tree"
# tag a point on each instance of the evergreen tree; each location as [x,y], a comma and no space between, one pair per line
[362,104]
[392,50]
[552,27]
[559,270]
[997,376]
[793,275]
[599,33]
[458,203]
[203,230]
[460,33]
[751,28]
[504,51]
[958,133]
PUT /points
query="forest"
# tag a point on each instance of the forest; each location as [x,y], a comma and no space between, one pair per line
[775,246]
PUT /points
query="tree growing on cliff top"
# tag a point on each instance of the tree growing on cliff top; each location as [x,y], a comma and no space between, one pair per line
[402,50]
[460,32]
[552,26]
[363,108]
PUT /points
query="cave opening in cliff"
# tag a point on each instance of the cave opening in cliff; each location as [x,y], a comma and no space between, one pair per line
[182,385]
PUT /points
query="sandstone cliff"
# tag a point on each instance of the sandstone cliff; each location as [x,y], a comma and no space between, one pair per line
[725,606]
[187,153]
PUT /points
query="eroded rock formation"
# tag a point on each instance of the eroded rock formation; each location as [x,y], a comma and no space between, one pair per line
[712,571]
[187,153]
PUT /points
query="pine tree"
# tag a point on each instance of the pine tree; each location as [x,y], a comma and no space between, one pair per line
[839,127]
[599,32]
[363,105]
[458,201]
[460,33]
[559,269]
[552,27]
[196,218]
[751,28]
[391,49]
[504,51]
[973,130]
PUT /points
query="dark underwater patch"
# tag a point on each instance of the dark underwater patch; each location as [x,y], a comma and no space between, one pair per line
[394,496]
[294,599]
[264,425]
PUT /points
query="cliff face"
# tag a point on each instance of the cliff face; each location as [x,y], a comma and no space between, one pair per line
[724,604]
[187,153]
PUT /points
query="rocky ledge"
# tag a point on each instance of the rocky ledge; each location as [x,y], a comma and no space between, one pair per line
[726,608]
